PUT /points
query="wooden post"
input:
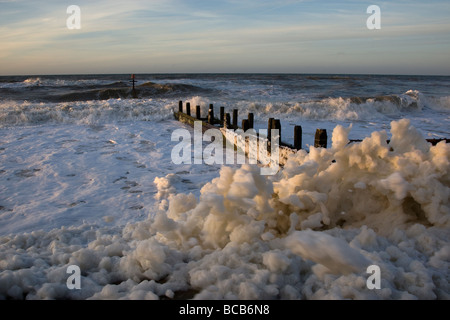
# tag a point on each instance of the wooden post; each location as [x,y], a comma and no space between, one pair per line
[250,120]
[188,108]
[269,134]
[245,125]
[235,117]
[197,112]
[269,127]
[180,106]
[320,140]
[222,115]
[211,114]
[133,79]
[277,125]
[227,120]
[298,137]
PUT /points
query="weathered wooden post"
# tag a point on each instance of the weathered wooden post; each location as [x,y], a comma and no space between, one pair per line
[197,112]
[320,140]
[211,114]
[245,125]
[235,117]
[251,120]
[298,137]
[133,79]
[227,120]
[188,108]
[269,127]
[222,115]
[276,124]
[180,106]
[269,133]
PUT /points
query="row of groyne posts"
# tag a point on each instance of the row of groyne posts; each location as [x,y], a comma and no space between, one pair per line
[225,121]
[320,138]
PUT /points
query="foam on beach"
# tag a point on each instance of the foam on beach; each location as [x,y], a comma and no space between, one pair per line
[309,232]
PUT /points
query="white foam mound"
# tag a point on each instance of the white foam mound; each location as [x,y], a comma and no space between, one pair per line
[371,183]
[333,253]
[309,232]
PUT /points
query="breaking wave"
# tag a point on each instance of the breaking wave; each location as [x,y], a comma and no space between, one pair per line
[115,104]
[64,90]
[340,108]
[85,112]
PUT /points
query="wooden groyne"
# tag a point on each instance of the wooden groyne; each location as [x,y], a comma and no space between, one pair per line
[227,121]
[249,141]
[184,114]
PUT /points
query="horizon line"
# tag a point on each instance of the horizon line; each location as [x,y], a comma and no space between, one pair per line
[226,73]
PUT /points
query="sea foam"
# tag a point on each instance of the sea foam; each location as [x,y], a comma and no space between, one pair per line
[245,236]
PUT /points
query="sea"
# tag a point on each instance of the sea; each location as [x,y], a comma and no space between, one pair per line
[367,102]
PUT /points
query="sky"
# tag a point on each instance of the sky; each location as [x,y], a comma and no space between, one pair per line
[224,36]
